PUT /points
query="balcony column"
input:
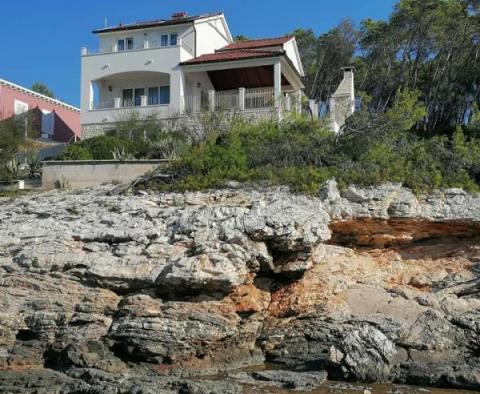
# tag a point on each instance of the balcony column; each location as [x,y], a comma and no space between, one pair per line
[211,100]
[143,101]
[177,91]
[288,102]
[277,86]
[241,99]
[298,101]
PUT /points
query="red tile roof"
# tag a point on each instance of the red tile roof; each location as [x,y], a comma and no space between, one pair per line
[231,55]
[260,43]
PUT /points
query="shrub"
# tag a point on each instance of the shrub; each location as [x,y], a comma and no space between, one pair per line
[75,152]
[99,148]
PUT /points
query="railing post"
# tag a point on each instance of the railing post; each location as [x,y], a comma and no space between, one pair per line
[241,99]
[288,102]
[298,101]
[146,44]
[84,51]
[115,48]
[117,102]
[211,100]
[143,101]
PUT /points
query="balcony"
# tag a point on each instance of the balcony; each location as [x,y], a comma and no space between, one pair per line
[136,46]
[118,103]
[241,100]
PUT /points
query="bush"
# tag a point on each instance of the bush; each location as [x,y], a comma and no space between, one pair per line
[302,154]
[75,152]
[99,148]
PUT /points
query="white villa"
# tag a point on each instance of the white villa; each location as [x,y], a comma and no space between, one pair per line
[185,65]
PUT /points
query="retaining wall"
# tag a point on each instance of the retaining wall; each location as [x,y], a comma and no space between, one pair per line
[86,173]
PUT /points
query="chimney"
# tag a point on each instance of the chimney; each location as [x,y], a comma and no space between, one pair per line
[342,102]
[179,15]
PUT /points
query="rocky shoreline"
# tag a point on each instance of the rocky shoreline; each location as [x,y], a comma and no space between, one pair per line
[110,293]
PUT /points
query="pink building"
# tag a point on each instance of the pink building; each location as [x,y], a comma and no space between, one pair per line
[53,119]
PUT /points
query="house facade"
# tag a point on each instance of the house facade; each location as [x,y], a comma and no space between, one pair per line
[183,66]
[52,119]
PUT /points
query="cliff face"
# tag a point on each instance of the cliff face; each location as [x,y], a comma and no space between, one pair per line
[112,293]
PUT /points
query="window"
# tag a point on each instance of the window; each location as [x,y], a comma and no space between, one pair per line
[159,96]
[121,45]
[169,39]
[153,98]
[164,94]
[164,40]
[127,97]
[20,107]
[138,96]
[125,44]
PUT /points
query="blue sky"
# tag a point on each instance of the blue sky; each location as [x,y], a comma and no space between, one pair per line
[42,43]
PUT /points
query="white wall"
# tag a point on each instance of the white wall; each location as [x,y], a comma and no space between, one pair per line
[193,80]
[117,84]
[93,173]
[211,35]
[108,40]
[291,50]
[115,68]
[104,66]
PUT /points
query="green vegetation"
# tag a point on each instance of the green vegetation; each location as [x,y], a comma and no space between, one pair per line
[98,148]
[373,149]
[431,46]
[41,88]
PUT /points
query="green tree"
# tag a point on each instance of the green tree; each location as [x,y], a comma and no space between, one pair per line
[41,88]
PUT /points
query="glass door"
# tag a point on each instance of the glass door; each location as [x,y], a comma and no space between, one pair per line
[152,96]
[138,96]
[127,97]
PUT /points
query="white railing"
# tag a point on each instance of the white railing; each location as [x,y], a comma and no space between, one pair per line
[196,103]
[146,44]
[259,98]
[227,100]
[103,104]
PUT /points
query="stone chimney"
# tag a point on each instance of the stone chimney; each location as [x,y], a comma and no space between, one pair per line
[342,102]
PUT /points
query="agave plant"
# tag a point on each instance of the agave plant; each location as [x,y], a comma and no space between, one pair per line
[34,166]
[168,146]
[121,154]
[15,168]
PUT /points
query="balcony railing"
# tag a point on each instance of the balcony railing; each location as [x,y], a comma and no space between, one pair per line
[228,100]
[146,44]
[259,98]
[118,103]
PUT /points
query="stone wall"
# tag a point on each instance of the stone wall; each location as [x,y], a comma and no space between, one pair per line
[194,123]
[79,174]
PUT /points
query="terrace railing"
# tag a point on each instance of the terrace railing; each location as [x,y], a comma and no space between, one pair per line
[259,98]
[227,100]
[103,104]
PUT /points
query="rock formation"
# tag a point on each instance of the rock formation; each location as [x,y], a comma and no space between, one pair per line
[107,293]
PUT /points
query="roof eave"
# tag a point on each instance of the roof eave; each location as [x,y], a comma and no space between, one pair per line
[253,57]
[147,25]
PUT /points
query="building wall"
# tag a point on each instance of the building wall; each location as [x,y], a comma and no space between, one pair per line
[292,53]
[211,35]
[108,40]
[128,82]
[79,174]
[120,64]
[67,121]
